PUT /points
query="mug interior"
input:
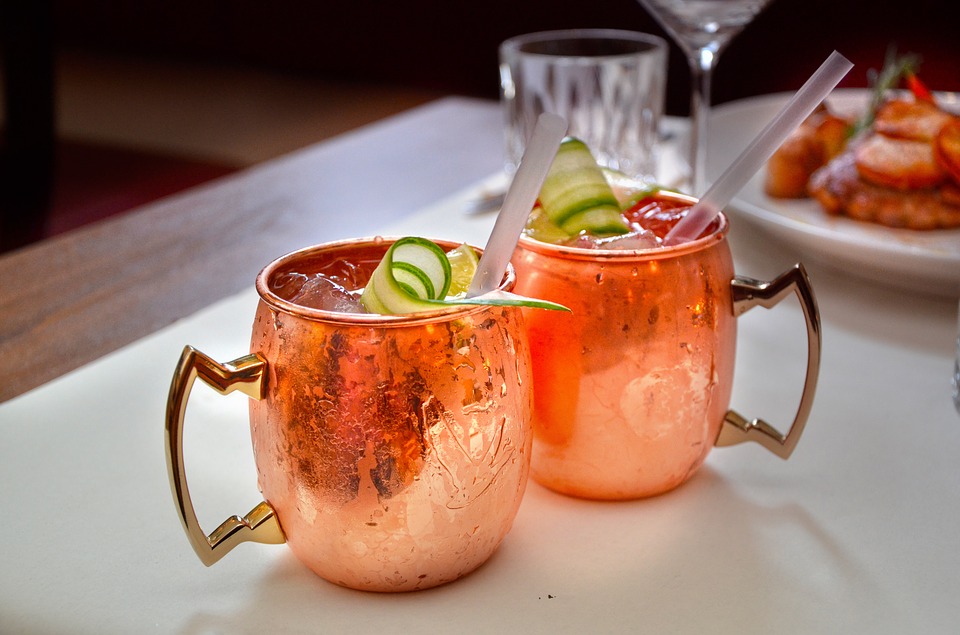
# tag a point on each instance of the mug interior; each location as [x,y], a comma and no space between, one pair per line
[715,232]
[366,253]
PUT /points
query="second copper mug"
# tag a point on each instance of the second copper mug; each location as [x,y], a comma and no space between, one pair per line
[392,451]
[632,388]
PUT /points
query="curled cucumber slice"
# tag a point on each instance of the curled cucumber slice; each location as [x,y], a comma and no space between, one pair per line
[415,275]
[576,195]
[411,277]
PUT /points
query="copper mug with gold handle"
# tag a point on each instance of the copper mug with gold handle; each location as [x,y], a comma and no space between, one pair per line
[632,388]
[392,451]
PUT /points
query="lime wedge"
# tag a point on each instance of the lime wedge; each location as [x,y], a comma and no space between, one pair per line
[463,266]
[540,227]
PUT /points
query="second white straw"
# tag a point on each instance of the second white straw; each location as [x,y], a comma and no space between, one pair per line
[814,91]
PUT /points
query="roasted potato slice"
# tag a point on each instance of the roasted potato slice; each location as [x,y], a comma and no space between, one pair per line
[818,139]
[907,119]
[901,164]
[946,148]
[833,133]
[790,167]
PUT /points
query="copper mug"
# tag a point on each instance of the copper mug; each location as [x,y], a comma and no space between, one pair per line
[392,451]
[632,388]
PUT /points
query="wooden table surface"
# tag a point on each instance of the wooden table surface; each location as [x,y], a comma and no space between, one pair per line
[70,300]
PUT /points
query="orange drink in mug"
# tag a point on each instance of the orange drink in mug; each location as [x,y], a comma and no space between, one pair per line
[392,451]
[632,387]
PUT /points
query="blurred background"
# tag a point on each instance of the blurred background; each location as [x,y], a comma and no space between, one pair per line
[109,103]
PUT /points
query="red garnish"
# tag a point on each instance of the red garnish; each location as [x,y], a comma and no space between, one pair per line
[917,87]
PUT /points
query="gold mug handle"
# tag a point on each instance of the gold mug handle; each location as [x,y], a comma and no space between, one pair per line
[245,374]
[748,293]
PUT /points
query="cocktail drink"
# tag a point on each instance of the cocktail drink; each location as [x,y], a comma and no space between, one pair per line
[392,450]
[632,386]
[608,84]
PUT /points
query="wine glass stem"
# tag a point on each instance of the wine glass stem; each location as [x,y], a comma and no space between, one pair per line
[701,68]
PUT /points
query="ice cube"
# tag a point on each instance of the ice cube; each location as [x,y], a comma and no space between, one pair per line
[320,292]
[347,274]
[287,285]
[639,239]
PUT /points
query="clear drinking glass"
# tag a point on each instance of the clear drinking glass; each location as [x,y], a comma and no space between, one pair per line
[608,84]
[702,29]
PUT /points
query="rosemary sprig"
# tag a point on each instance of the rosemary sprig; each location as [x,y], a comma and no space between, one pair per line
[895,68]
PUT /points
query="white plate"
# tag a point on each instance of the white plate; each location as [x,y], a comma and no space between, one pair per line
[926,261]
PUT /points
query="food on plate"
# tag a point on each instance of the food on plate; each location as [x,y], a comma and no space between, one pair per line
[818,139]
[903,164]
[840,190]
[947,148]
[910,119]
[898,165]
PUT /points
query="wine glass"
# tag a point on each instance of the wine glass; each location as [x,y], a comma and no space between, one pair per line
[702,29]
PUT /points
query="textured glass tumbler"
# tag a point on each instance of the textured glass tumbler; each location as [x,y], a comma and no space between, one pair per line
[392,451]
[608,84]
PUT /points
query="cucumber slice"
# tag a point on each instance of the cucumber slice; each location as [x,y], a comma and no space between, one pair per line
[576,195]
[412,273]
[421,265]
[415,275]
[628,190]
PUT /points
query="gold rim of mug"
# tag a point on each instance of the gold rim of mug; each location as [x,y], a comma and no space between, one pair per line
[363,319]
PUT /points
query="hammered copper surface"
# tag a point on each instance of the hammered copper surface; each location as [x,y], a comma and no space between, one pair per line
[631,387]
[395,451]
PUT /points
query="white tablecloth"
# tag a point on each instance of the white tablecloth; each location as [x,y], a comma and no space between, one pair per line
[856,533]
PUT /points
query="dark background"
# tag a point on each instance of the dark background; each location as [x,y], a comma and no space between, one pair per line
[444,46]
[452,45]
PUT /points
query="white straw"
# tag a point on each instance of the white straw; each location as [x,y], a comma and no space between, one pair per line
[814,91]
[519,200]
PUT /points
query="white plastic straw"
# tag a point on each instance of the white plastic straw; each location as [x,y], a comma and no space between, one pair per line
[519,200]
[814,91]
